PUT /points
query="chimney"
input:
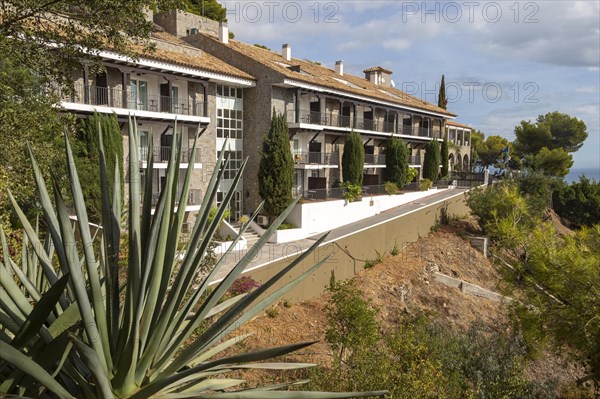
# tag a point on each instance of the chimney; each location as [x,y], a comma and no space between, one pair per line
[339,67]
[223,32]
[379,76]
[286,52]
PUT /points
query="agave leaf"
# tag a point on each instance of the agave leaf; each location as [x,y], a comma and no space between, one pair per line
[23,307]
[22,362]
[89,256]
[65,320]
[271,366]
[110,241]
[202,387]
[8,323]
[39,315]
[77,281]
[91,359]
[278,386]
[218,348]
[36,244]
[27,283]
[288,395]
[167,379]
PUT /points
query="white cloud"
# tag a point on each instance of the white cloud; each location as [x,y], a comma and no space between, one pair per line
[396,44]
[588,89]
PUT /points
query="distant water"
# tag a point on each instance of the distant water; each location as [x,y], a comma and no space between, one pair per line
[590,173]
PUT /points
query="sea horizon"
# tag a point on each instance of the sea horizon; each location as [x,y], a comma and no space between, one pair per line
[575,173]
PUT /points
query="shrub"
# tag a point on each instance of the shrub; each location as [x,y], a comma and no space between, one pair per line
[243,285]
[351,191]
[286,226]
[353,159]
[431,163]
[391,188]
[411,174]
[276,169]
[396,162]
[579,203]
[425,184]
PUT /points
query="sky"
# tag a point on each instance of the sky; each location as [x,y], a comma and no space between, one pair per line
[503,61]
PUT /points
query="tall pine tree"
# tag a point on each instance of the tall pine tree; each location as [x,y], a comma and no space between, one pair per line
[353,159]
[276,170]
[444,158]
[442,100]
[431,164]
[396,162]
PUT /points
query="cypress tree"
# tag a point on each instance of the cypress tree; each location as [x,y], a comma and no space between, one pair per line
[442,100]
[276,169]
[396,162]
[353,159]
[86,151]
[444,157]
[431,164]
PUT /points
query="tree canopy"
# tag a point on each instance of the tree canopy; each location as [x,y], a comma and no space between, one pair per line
[396,162]
[553,130]
[442,100]
[444,158]
[210,9]
[353,159]
[276,169]
[431,163]
[488,149]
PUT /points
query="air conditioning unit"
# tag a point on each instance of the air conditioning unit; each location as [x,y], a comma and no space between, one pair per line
[262,220]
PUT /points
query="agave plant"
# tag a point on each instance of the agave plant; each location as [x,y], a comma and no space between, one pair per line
[71,327]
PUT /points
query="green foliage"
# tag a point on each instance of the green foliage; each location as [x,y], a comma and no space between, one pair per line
[555,162]
[537,189]
[425,184]
[396,162]
[444,158]
[213,212]
[553,130]
[579,203]
[286,226]
[431,163]
[353,159]
[86,150]
[276,169]
[210,9]
[28,118]
[488,150]
[352,324]
[390,188]
[351,191]
[78,328]
[373,262]
[262,46]
[411,174]
[442,100]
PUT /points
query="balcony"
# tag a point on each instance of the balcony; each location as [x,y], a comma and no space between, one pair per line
[374,159]
[343,121]
[317,158]
[126,99]
[193,198]
[163,154]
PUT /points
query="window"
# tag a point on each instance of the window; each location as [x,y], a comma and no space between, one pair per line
[138,94]
[235,163]
[229,112]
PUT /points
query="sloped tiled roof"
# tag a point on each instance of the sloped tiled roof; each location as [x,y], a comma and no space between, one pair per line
[314,74]
[377,68]
[453,123]
[173,50]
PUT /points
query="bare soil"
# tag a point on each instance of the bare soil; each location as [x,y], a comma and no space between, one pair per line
[400,287]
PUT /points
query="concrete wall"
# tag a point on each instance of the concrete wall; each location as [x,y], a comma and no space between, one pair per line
[348,254]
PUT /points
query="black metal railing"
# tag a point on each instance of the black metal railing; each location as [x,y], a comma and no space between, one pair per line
[375,159]
[335,120]
[193,197]
[127,99]
[338,192]
[163,154]
[318,158]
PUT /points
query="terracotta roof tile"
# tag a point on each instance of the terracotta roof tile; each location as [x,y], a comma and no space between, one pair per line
[174,50]
[318,75]
[453,123]
[377,68]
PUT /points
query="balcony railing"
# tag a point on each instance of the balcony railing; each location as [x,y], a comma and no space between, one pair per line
[193,197]
[329,119]
[336,193]
[375,159]
[127,99]
[163,154]
[317,158]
